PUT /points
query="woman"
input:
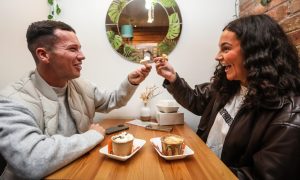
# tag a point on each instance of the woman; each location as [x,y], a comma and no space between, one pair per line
[251,108]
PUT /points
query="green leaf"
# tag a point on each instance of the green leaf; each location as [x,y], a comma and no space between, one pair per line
[166,46]
[58,10]
[113,13]
[115,10]
[50,2]
[50,16]
[117,42]
[168,3]
[174,26]
[110,35]
[114,40]
[128,49]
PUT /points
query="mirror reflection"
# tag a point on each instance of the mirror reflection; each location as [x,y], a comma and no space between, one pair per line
[136,27]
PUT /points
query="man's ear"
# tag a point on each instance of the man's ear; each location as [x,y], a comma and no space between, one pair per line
[42,54]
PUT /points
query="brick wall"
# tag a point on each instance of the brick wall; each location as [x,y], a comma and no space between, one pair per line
[286,12]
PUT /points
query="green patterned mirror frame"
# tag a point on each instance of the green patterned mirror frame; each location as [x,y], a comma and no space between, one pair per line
[159,39]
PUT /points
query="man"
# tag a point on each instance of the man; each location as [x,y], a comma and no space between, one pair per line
[59,126]
[31,154]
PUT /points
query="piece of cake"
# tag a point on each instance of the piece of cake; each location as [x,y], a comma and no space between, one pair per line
[172,145]
[122,144]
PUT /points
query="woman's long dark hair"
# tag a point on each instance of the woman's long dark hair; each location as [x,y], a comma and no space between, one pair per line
[271,60]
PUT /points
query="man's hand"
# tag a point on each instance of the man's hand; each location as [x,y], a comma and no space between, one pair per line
[137,76]
[98,128]
[164,69]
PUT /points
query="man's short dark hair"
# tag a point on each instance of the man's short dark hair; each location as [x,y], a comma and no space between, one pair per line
[41,34]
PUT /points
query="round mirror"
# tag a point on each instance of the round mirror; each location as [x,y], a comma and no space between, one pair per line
[137,28]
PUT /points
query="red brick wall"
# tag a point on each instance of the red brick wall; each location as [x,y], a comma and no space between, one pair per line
[286,12]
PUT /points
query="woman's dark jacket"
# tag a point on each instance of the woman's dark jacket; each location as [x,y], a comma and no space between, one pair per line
[260,144]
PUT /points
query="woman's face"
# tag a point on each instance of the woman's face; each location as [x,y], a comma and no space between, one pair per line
[231,57]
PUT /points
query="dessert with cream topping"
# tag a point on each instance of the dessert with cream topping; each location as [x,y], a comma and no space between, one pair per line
[172,145]
[122,144]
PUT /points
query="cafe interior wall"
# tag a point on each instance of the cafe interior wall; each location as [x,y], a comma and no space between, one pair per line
[193,57]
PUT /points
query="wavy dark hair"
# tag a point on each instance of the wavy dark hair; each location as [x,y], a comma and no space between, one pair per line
[270,58]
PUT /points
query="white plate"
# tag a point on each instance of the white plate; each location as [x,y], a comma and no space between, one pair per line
[137,145]
[157,146]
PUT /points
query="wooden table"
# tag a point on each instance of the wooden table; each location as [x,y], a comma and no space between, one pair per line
[146,163]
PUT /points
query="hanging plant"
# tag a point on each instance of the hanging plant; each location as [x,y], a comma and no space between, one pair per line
[54,9]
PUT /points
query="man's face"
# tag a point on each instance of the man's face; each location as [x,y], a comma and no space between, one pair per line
[65,58]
